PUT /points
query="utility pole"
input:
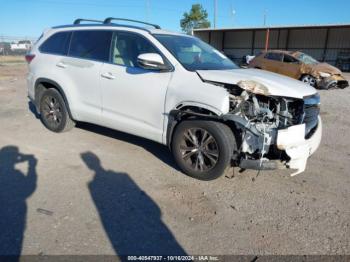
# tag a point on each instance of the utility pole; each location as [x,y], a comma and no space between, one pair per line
[232,13]
[215,12]
[267,38]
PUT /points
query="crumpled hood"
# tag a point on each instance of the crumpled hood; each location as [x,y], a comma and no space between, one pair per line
[325,68]
[277,85]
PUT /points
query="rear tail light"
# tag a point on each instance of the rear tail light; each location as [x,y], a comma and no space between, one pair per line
[29,58]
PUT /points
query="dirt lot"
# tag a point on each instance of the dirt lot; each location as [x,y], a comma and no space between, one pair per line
[11,59]
[97,191]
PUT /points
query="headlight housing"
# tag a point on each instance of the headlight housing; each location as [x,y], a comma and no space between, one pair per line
[323,74]
[254,87]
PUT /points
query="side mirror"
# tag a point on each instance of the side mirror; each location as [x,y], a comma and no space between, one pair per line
[151,61]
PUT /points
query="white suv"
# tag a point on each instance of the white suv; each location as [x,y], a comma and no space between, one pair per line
[176,90]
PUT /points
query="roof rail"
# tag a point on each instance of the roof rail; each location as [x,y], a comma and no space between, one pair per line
[79,20]
[109,20]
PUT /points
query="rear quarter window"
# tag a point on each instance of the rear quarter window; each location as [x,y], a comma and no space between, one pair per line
[91,44]
[56,44]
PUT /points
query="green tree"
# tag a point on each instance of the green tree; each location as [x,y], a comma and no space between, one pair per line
[196,18]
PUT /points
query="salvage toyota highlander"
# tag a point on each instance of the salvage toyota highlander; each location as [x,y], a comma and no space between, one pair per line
[176,90]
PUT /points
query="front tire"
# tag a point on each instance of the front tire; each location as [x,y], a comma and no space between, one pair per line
[308,79]
[203,149]
[54,113]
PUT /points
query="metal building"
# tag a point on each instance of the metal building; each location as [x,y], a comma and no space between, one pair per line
[329,43]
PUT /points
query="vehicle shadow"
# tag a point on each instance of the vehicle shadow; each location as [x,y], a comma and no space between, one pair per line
[131,219]
[158,150]
[32,109]
[15,188]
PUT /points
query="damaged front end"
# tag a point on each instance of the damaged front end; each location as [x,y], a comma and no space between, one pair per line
[274,132]
[328,81]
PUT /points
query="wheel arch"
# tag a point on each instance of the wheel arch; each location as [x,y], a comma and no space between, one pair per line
[185,111]
[236,124]
[48,83]
[194,111]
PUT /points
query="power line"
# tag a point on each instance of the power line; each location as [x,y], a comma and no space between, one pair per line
[265,16]
[232,14]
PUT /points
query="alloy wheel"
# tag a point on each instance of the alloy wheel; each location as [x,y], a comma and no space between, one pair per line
[199,149]
[52,111]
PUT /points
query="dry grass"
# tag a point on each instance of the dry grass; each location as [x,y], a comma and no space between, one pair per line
[11,59]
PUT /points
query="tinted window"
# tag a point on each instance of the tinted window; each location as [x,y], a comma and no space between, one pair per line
[194,54]
[274,56]
[126,47]
[56,44]
[289,59]
[91,45]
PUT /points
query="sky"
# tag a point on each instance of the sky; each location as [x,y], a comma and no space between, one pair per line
[30,17]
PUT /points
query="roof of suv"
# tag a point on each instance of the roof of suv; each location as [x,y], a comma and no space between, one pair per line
[107,23]
[149,30]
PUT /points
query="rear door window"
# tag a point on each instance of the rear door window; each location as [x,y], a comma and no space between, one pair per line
[56,44]
[91,44]
[274,56]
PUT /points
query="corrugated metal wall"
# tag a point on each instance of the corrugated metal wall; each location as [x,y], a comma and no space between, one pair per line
[237,43]
[329,44]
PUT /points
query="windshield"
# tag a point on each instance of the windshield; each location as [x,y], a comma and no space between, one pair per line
[306,59]
[194,54]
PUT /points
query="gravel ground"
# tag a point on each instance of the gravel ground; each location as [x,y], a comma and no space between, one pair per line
[98,191]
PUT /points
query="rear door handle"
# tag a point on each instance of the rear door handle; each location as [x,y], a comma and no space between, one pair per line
[61,64]
[108,75]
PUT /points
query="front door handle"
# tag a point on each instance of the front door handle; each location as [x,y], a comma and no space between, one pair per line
[108,75]
[61,64]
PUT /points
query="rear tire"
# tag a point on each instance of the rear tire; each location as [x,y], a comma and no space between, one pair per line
[54,113]
[203,149]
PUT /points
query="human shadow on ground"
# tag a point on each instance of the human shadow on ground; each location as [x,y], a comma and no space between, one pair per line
[131,219]
[15,188]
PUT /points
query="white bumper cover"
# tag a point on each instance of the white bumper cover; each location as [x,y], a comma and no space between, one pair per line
[293,141]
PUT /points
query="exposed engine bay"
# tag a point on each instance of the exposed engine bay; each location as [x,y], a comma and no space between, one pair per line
[261,116]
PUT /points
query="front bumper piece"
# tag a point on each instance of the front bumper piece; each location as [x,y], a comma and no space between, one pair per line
[333,81]
[292,141]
